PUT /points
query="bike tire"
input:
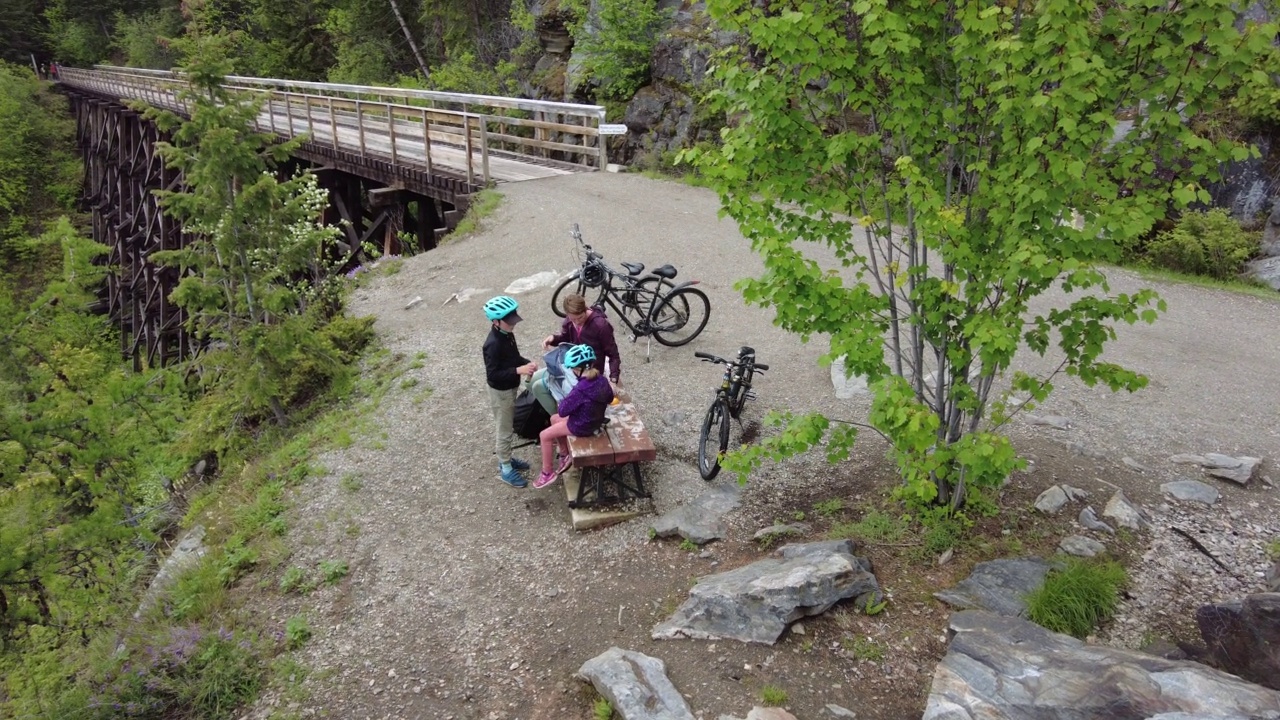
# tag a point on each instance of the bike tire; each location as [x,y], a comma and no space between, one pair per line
[680,317]
[570,285]
[711,448]
[635,301]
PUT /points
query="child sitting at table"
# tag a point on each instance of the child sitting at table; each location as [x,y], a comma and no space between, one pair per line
[581,413]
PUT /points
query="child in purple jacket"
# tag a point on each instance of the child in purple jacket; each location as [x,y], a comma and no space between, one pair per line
[581,413]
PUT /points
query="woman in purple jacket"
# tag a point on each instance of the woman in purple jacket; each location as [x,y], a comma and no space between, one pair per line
[581,413]
[586,326]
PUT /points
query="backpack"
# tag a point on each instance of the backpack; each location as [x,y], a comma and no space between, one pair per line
[530,417]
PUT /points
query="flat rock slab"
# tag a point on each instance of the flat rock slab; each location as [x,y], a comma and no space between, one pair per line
[547,278]
[1051,501]
[1238,470]
[636,685]
[1089,520]
[1081,546]
[1003,668]
[1057,422]
[1124,512]
[1191,490]
[998,586]
[756,602]
[702,520]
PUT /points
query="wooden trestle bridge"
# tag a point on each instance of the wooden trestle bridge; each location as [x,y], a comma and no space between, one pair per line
[394,161]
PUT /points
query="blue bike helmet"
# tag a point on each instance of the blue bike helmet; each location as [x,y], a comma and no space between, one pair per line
[501,308]
[578,356]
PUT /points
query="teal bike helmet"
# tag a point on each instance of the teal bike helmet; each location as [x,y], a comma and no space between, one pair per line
[500,307]
[578,356]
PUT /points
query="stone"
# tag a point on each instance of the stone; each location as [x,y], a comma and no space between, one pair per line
[1088,519]
[1074,493]
[997,585]
[547,278]
[756,602]
[1191,490]
[1265,270]
[1057,422]
[615,168]
[701,521]
[1125,513]
[841,712]
[1081,546]
[1273,577]
[636,685]
[1237,470]
[779,530]
[1243,636]
[1187,459]
[769,713]
[1051,501]
[846,386]
[413,303]
[1004,668]
[186,554]
[1134,464]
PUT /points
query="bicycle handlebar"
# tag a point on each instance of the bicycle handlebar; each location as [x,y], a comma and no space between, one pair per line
[708,357]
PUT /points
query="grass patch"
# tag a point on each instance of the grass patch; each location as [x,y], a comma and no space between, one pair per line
[1076,598]
[483,204]
[875,527]
[1243,287]
[601,709]
[773,696]
[351,482]
[297,631]
[863,648]
[333,570]
[829,508]
[295,579]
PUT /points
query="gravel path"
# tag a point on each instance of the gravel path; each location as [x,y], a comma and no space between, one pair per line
[469,599]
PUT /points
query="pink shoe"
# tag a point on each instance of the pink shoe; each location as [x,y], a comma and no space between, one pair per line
[566,462]
[545,478]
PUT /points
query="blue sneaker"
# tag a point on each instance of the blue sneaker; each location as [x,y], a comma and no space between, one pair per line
[511,476]
[517,463]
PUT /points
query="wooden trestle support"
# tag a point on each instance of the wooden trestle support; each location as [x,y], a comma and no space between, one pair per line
[369,200]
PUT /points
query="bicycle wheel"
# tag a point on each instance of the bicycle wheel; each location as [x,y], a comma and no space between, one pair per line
[636,299]
[680,316]
[713,439]
[574,284]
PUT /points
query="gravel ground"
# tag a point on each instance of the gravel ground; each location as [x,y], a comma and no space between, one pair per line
[470,599]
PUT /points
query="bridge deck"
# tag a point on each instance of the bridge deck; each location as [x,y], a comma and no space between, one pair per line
[488,140]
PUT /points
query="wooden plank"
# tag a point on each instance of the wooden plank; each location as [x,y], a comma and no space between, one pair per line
[593,451]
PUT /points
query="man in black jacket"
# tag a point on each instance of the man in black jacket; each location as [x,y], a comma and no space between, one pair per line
[504,367]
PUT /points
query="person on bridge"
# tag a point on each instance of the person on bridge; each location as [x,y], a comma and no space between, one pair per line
[504,367]
[581,413]
[587,326]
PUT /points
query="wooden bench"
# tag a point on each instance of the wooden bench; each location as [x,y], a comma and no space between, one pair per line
[610,459]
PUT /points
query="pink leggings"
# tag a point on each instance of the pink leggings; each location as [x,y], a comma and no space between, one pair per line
[554,436]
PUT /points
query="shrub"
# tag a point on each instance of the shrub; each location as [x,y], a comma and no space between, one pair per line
[296,631]
[1077,597]
[773,696]
[1210,243]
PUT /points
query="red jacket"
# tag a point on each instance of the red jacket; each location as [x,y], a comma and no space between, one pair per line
[598,333]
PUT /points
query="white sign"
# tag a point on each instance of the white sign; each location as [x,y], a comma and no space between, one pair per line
[613,129]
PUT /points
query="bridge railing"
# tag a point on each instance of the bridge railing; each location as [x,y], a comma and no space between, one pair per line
[397,124]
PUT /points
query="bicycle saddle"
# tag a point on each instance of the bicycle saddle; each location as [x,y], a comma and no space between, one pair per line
[745,351]
[634,268]
[666,271]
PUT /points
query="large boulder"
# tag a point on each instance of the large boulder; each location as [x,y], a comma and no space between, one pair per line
[1006,668]
[702,520]
[1243,636]
[756,602]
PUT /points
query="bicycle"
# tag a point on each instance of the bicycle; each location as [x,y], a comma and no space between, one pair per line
[650,305]
[731,397]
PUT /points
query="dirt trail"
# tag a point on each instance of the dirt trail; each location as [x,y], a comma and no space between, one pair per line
[469,599]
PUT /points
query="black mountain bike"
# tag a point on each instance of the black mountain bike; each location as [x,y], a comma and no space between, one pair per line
[734,391]
[650,305]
